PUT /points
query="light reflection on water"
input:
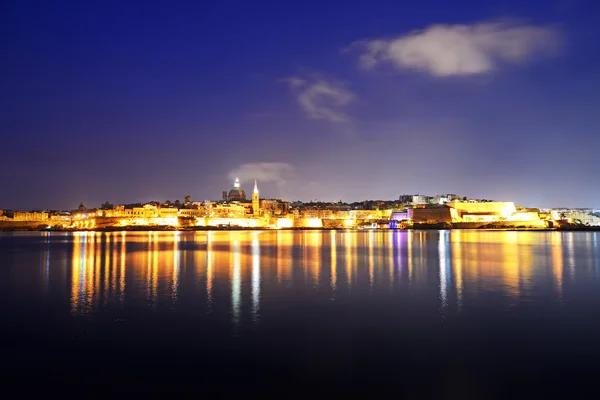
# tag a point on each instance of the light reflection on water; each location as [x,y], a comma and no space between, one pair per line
[249,273]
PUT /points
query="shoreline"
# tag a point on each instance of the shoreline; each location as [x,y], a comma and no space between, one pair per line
[226,229]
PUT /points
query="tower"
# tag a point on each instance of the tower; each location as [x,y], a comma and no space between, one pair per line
[255,201]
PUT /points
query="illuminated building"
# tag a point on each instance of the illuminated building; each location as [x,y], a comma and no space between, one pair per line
[273,207]
[192,212]
[30,216]
[237,193]
[166,212]
[231,210]
[419,199]
[485,211]
[584,217]
[146,211]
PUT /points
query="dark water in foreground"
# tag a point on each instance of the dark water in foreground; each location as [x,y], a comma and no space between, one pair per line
[465,314]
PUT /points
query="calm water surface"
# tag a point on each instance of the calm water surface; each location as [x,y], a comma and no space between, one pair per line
[423,314]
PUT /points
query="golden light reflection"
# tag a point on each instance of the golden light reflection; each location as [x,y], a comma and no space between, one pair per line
[505,260]
[304,247]
[209,268]
[255,276]
[442,251]
[46,263]
[114,264]
[479,262]
[89,273]
[151,269]
[77,270]
[349,261]
[108,266]
[557,261]
[370,259]
[457,264]
[85,272]
[155,265]
[315,255]
[596,255]
[284,256]
[409,247]
[391,263]
[122,269]
[354,247]
[97,268]
[510,270]
[398,246]
[176,266]
[236,280]
[333,261]
[570,246]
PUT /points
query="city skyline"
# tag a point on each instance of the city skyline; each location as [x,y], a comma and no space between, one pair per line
[113,101]
[238,195]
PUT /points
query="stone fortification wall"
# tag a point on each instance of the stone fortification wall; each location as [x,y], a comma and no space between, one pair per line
[308,223]
[500,224]
[334,224]
[241,222]
[437,214]
[25,225]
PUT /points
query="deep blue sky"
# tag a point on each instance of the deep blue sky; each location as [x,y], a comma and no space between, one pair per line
[132,101]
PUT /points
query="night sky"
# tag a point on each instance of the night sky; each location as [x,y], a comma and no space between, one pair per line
[131,101]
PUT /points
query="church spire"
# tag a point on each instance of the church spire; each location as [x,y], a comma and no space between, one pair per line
[237,183]
[255,201]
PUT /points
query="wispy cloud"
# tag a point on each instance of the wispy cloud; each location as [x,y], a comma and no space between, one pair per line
[460,50]
[321,98]
[277,172]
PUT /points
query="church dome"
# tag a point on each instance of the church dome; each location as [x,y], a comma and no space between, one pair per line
[237,193]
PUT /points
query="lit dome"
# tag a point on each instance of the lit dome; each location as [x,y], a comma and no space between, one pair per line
[236,194]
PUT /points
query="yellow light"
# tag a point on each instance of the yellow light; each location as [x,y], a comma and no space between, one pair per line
[284,223]
[314,223]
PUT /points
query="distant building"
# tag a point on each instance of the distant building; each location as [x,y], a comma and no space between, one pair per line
[445,198]
[405,198]
[231,210]
[576,216]
[237,193]
[482,212]
[30,216]
[168,212]
[471,212]
[274,207]
[418,199]
[399,215]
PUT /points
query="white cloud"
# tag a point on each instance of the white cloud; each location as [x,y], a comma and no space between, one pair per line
[455,50]
[322,99]
[263,172]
